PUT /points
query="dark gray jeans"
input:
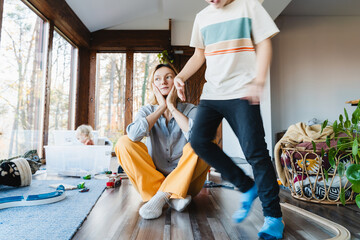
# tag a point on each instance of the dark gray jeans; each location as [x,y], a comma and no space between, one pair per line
[246,122]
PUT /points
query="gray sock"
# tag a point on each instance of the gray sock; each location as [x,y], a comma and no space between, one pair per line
[153,208]
[179,204]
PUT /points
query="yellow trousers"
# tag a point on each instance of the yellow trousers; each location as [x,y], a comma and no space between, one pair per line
[186,179]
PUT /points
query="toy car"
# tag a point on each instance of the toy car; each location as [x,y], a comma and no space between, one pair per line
[114,181]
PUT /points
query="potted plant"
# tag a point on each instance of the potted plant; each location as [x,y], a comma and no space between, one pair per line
[165,57]
[347,136]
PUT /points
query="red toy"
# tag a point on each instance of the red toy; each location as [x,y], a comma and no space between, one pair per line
[114,181]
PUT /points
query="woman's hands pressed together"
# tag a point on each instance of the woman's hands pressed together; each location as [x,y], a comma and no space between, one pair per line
[165,91]
[171,100]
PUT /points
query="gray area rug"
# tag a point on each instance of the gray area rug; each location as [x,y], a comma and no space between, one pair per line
[59,220]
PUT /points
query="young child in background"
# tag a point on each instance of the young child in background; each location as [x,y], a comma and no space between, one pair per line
[84,134]
[233,37]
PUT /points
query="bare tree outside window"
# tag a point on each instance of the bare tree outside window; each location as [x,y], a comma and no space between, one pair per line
[144,63]
[110,90]
[22,61]
[110,95]
[62,79]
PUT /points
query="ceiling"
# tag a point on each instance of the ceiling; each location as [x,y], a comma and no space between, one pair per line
[125,14]
[154,14]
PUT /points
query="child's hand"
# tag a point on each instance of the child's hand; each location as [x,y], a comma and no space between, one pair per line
[180,87]
[254,93]
[159,97]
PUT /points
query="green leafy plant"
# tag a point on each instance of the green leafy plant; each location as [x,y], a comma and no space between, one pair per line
[347,136]
[165,57]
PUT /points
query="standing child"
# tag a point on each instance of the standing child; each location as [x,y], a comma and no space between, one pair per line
[233,37]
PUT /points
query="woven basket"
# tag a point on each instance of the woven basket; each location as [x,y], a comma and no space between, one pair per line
[308,182]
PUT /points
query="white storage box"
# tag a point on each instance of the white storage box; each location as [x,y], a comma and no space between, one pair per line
[77,159]
[68,137]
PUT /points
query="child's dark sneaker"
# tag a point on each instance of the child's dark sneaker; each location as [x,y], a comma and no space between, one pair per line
[273,228]
[246,201]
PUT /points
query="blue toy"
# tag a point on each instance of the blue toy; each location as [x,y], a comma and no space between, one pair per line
[32,200]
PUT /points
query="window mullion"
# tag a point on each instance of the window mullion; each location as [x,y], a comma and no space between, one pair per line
[129,87]
[47,85]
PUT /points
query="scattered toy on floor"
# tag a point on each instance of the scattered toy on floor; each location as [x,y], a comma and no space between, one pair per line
[114,181]
[84,189]
[81,185]
[32,200]
[87,177]
[67,186]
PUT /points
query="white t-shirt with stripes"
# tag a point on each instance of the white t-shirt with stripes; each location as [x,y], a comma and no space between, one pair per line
[228,36]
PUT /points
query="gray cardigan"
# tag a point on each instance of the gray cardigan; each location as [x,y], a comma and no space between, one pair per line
[164,142]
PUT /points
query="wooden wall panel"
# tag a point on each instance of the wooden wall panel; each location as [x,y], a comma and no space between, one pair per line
[129,88]
[83,87]
[121,40]
[194,85]
[64,19]
[92,90]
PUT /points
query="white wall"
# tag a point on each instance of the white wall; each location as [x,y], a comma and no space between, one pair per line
[181,32]
[315,69]
[275,7]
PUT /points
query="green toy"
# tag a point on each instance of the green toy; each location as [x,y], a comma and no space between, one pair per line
[81,185]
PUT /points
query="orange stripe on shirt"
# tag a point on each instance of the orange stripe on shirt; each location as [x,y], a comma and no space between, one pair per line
[230,49]
[236,43]
[235,50]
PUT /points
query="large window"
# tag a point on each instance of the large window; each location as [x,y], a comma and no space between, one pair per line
[110,90]
[144,63]
[62,94]
[22,64]
[23,52]
[110,95]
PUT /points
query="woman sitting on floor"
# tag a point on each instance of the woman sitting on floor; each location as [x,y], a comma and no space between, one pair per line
[166,169]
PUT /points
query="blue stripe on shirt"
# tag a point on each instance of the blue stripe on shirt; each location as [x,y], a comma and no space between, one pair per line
[229,30]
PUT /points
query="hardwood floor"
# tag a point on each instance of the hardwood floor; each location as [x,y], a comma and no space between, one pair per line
[347,216]
[115,216]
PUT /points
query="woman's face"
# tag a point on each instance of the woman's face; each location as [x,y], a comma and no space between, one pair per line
[164,80]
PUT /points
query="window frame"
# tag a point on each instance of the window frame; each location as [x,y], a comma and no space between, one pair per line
[57,14]
[73,79]
[129,82]
[50,27]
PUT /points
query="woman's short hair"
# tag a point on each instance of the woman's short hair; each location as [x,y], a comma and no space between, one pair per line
[152,97]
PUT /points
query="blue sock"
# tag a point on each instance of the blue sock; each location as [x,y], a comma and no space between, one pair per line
[246,201]
[273,228]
